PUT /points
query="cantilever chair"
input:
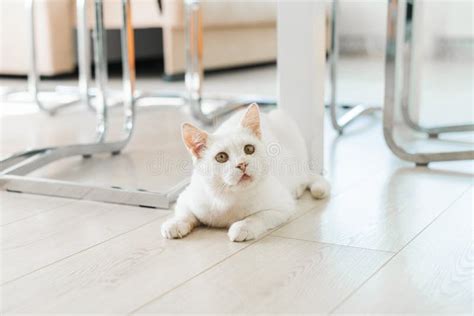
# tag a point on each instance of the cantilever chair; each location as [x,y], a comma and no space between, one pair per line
[14,169]
[399,36]
[339,123]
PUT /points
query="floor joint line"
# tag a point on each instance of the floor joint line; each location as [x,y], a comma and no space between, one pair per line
[398,252]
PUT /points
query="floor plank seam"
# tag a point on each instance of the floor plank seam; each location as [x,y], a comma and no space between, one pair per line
[334,244]
[195,276]
[332,311]
[361,179]
[39,213]
[311,208]
[121,234]
[83,250]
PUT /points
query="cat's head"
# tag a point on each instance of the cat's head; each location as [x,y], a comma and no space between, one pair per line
[230,160]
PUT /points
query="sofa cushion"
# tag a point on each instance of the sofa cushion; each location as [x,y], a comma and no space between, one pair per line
[238,13]
[145,14]
[223,13]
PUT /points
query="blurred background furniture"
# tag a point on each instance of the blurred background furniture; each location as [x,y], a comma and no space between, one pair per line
[233,32]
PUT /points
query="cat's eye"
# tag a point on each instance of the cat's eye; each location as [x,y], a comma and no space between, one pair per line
[222,157]
[249,149]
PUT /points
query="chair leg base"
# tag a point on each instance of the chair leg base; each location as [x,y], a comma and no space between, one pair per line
[422,159]
[350,116]
[24,96]
[224,106]
[433,132]
[64,189]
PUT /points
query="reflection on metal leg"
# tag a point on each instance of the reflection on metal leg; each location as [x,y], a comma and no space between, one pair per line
[101,75]
[393,75]
[434,131]
[83,55]
[33,92]
[14,168]
[339,123]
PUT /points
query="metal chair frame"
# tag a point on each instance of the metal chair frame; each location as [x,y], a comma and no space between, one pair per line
[399,36]
[339,123]
[194,76]
[434,131]
[14,169]
[85,91]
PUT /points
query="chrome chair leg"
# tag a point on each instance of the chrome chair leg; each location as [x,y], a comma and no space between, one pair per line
[393,86]
[194,75]
[33,91]
[205,109]
[434,131]
[14,169]
[339,123]
[84,90]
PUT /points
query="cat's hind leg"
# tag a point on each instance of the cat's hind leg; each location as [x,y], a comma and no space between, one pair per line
[319,187]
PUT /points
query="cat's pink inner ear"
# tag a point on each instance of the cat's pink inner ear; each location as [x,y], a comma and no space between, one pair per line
[251,119]
[194,138]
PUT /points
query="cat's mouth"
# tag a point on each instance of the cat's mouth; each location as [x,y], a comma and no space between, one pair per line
[245,178]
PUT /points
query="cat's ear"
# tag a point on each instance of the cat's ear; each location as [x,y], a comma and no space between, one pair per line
[194,138]
[251,120]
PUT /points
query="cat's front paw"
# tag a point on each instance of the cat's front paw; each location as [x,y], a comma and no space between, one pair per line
[175,228]
[241,231]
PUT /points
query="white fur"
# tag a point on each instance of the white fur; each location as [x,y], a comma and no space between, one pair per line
[279,173]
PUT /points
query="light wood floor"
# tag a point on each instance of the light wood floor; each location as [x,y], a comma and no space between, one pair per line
[391,238]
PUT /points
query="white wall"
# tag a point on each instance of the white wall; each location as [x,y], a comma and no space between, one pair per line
[363,24]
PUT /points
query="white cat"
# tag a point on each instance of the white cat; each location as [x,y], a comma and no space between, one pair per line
[246,176]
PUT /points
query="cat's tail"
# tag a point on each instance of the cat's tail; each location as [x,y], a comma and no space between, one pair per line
[319,187]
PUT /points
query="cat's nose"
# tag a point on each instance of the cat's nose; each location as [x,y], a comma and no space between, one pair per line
[242,166]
